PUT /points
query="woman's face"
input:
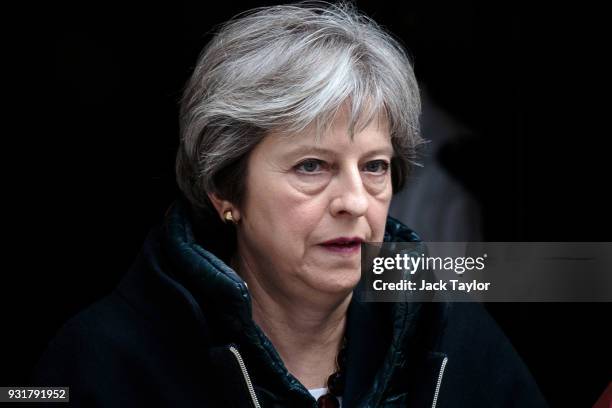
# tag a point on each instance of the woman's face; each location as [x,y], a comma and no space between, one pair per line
[302,194]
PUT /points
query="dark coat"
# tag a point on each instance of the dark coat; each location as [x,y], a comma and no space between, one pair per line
[178,332]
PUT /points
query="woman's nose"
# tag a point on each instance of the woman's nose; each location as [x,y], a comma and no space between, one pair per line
[350,196]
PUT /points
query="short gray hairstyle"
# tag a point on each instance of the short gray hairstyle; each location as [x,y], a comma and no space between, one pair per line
[284,68]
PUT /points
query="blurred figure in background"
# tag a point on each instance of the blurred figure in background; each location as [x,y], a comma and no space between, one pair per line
[433,202]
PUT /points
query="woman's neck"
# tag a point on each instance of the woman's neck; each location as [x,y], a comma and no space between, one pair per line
[307,334]
[308,341]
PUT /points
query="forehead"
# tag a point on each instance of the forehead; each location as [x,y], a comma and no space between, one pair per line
[336,137]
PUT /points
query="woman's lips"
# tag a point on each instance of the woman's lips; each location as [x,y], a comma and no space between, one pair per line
[343,245]
[343,248]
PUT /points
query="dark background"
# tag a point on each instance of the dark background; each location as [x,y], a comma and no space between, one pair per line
[528,80]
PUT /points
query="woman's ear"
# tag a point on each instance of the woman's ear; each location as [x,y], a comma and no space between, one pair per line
[223,207]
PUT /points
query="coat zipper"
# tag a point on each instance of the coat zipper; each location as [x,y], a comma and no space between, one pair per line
[439,383]
[245,375]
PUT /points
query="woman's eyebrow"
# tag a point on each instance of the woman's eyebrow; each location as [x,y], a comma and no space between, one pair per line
[382,151]
[302,149]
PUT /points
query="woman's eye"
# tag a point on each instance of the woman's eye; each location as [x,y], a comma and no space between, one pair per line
[310,166]
[377,166]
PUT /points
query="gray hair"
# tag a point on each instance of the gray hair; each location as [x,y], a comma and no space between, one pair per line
[284,68]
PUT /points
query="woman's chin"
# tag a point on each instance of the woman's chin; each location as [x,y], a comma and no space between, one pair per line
[340,282]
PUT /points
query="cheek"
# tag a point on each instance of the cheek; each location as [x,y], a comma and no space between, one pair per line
[282,217]
[378,211]
[301,216]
